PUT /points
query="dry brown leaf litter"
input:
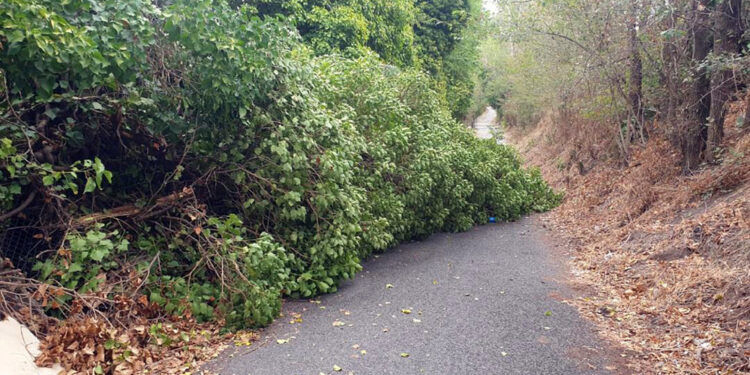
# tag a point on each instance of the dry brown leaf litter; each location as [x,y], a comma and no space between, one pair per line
[666,255]
[86,345]
[127,337]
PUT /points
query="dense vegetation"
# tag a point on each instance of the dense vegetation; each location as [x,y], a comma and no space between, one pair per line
[215,156]
[633,69]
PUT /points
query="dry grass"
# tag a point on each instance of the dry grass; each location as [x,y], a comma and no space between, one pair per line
[668,255]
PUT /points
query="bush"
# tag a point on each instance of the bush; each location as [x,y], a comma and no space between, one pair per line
[206,150]
[218,269]
[422,172]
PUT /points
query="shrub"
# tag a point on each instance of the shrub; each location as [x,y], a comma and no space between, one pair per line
[238,167]
[219,269]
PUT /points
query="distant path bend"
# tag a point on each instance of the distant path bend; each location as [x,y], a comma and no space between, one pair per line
[482,302]
[486,123]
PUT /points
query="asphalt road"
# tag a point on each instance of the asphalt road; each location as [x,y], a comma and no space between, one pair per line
[486,124]
[481,302]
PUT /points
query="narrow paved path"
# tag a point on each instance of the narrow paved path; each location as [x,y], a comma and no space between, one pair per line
[481,302]
[485,124]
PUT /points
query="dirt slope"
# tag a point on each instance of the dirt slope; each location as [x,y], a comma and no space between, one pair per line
[665,256]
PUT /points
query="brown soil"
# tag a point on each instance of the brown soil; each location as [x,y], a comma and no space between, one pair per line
[662,259]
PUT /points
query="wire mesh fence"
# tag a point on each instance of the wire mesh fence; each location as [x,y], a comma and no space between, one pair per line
[21,244]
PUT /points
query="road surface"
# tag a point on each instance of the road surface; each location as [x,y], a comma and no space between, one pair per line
[485,124]
[481,302]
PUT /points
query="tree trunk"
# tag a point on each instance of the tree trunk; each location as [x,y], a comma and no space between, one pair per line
[670,73]
[699,101]
[635,92]
[727,34]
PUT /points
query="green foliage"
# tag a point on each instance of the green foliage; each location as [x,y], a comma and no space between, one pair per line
[244,167]
[438,36]
[350,26]
[421,171]
[82,265]
[15,167]
[49,46]
[391,29]
[239,278]
[21,173]
[516,82]
[447,34]
[340,28]
[440,26]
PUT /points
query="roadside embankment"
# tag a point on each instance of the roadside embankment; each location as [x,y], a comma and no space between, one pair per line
[663,256]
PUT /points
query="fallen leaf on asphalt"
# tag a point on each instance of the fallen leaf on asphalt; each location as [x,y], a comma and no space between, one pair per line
[406,311]
[503,354]
[338,323]
[337,368]
[404,355]
[548,313]
[282,341]
[296,318]
[388,286]
[244,339]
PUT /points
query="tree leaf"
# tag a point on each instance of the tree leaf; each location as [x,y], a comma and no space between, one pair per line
[90,185]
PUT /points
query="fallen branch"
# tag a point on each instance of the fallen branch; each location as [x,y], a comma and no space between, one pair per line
[131,210]
[20,208]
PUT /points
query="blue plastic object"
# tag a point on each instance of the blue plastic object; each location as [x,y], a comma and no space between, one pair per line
[493,220]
